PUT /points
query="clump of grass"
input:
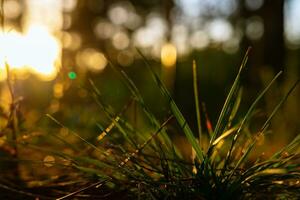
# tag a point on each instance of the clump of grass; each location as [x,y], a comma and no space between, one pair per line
[123,162]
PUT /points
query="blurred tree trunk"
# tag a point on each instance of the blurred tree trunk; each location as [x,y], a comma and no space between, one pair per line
[168,6]
[273,16]
[168,73]
[268,51]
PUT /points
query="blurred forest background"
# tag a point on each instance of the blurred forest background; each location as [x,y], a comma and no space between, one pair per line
[54,47]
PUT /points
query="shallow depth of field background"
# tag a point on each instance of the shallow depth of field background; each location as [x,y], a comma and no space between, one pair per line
[54,47]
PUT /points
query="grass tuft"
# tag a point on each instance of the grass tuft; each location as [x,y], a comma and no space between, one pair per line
[120,161]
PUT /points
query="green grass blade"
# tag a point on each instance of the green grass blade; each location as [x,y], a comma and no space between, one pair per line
[64,141]
[280,103]
[197,104]
[96,185]
[254,104]
[290,147]
[245,155]
[224,135]
[92,161]
[91,171]
[114,123]
[111,116]
[226,110]
[265,125]
[74,133]
[176,112]
[136,94]
[247,117]
[235,107]
[141,147]
[116,120]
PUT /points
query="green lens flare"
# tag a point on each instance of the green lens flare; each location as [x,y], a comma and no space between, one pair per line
[72,75]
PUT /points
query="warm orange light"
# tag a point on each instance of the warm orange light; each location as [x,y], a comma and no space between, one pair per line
[91,59]
[36,51]
[168,55]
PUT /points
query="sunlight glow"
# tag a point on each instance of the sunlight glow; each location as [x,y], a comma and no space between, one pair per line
[35,51]
[168,55]
[91,59]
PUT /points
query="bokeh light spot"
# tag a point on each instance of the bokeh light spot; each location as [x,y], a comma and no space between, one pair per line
[58,90]
[49,161]
[125,58]
[254,28]
[220,30]
[71,40]
[120,40]
[104,29]
[168,55]
[91,59]
[254,4]
[199,40]
[118,14]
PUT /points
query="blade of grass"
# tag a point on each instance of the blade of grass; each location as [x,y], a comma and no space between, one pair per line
[291,146]
[136,94]
[244,157]
[254,104]
[64,141]
[111,116]
[224,135]
[280,103]
[235,107]
[265,172]
[97,184]
[196,95]
[246,119]
[74,133]
[106,108]
[227,108]
[265,125]
[91,161]
[137,151]
[175,110]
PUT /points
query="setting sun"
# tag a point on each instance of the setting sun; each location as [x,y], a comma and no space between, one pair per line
[35,51]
